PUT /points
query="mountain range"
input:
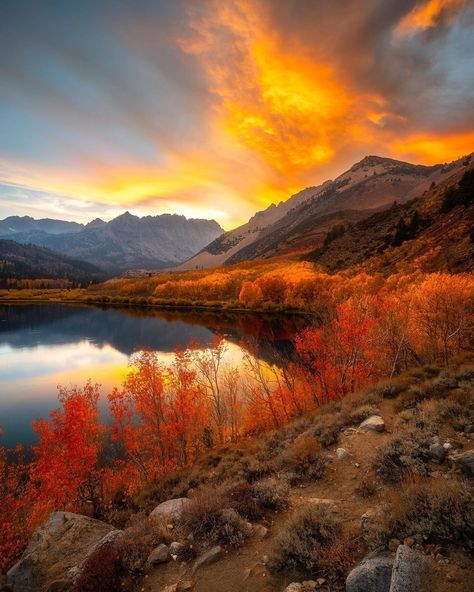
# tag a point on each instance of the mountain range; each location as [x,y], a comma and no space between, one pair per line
[123,243]
[338,224]
[301,223]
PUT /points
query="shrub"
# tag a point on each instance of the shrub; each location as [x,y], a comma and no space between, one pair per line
[367,487]
[139,539]
[404,452]
[241,497]
[272,493]
[211,523]
[442,510]
[305,543]
[362,412]
[326,428]
[101,571]
[389,389]
[304,458]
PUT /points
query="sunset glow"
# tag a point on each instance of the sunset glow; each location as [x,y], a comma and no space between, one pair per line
[217,109]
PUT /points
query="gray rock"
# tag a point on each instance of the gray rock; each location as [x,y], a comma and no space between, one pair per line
[160,554]
[408,569]
[60,544]
[210,556]
[374,423]
[342,454]
[465,461]
[437,451]
[373,574]
[171,509]
[175,547]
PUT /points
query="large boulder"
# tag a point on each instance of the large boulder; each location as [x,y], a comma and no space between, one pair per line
[170,510]
[60,544]
[373,574]
[374,423]
[409,568]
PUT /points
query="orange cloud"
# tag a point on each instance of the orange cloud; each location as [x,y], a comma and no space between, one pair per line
[434,149]
[428,14]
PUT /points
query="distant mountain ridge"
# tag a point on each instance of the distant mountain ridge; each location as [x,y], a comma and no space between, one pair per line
[33,262]
[301,223]
[123,243]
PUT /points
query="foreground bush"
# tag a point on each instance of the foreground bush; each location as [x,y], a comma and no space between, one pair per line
[441,510]
[304,458]
[404,453]
[306,541]
[210,522]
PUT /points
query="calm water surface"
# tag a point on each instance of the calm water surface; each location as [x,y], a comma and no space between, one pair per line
[45,345]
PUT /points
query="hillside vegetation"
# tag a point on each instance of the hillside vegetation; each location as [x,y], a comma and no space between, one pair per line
[20,263]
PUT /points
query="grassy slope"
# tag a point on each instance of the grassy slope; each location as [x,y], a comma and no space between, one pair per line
[243,570]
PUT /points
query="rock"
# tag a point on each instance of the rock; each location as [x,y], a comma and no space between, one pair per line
[265,559]
[374,423]
[437,451]
[260,530]
[171,509]
[447,446]
[175,547]
[465,461]
[171,588]
[61,543]
[160,554]
[408,569]
[294,587]
[469,429]
[210,556]
[409,541]
[309,585]
[373,574]
[393,544]
[186,585]
[321,581]
[342,454]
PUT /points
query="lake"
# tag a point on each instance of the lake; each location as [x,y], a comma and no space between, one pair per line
[46,345]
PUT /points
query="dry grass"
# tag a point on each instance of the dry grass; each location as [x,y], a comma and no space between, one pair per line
[405,452]
[314,542]
[139,539]
[211,522]
[440,510]
[304,458]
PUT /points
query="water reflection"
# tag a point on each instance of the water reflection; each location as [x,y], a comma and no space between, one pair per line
[44,345]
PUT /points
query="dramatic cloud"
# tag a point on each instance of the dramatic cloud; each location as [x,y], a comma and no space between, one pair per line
[216,108]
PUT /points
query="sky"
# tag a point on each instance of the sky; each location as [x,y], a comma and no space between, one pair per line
[217,108]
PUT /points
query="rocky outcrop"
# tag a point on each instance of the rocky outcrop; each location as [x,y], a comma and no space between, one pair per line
[171,509]
[56,547]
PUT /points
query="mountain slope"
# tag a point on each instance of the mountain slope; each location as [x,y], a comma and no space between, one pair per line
[32,262]
[434,231]
[13,225]
[301,223]
[129,241]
